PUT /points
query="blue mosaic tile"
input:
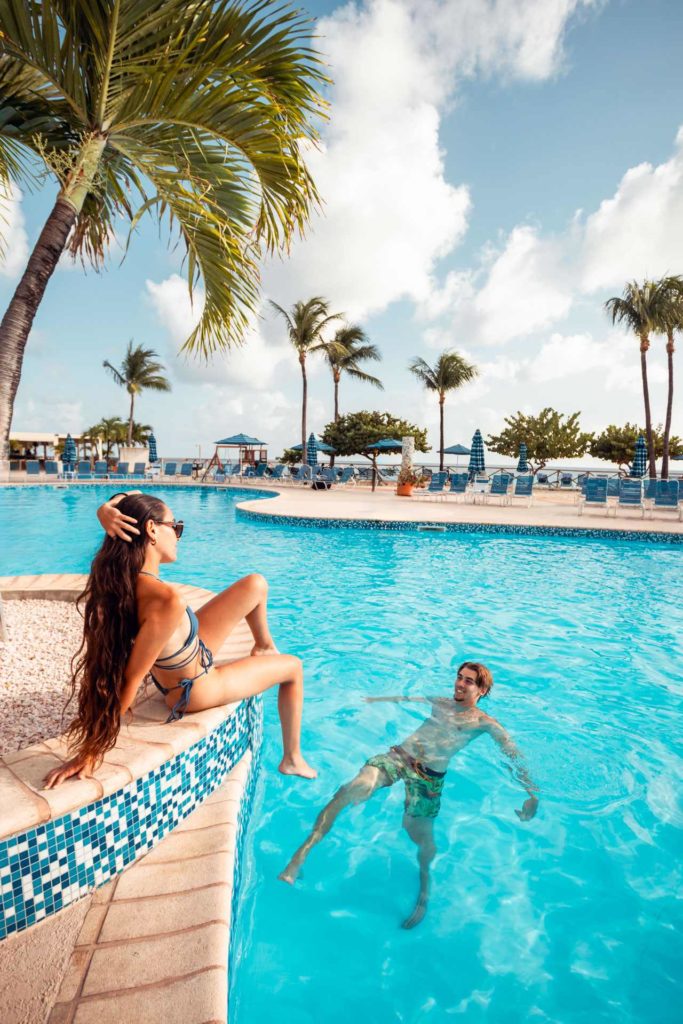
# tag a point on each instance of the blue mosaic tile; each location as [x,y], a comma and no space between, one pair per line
[493,529]
[56,863]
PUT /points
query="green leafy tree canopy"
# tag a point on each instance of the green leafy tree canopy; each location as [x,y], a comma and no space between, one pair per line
[548,436]
[353,433]
[616,444]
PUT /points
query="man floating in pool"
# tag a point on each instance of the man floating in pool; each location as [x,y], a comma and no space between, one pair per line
[421,761]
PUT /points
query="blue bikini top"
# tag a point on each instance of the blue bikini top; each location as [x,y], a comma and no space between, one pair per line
[187,652]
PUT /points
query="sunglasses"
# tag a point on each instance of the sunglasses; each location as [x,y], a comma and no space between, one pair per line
[177,527]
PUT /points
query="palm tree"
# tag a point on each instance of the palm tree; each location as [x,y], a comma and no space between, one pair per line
[111,430]
[344,353]
[199,113]
[670,321]
[138,372]
[450,371]
[640,308]
[306,322]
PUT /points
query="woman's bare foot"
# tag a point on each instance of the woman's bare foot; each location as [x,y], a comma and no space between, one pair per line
[290,873]
[296,765]
[257,650]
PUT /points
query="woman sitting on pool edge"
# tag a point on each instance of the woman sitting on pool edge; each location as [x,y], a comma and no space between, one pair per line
[134,624]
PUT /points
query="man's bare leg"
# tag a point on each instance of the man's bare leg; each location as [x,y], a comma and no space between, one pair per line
[421,831]
[368,780]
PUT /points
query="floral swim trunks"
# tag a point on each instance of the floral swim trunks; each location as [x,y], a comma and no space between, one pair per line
[423,787]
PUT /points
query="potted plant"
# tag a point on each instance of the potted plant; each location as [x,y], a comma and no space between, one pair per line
[406,480]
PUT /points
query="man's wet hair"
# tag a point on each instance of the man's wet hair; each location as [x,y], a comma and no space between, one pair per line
[484,677]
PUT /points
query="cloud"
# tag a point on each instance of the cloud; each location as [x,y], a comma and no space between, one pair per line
[637,232]
[253,365]
[14,251]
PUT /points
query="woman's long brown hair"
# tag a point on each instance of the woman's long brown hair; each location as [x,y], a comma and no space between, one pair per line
[110,625]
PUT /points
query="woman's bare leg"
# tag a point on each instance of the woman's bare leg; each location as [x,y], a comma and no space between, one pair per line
[250,676]
[245,599]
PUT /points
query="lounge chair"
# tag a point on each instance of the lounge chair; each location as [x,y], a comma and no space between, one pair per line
[348,477]
[630,496]
[302,475]
[595,494]
[186,469]
[666,496]
[457,485]
[542,478]
[524,488]
[479,488]
[170,468]
[435,489]
[101,470]
[121,472]
[138,471]
[566,480]
[278,471]
[83,471]
[51,467]
[329,475]
[32,467]
[261,470]
[613,486]
[500,487]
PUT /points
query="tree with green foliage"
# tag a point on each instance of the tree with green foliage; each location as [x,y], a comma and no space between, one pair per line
[200,114]
[306,324]
[450,372]
[139,371]
[617,444]
[354,433]
[549,436]
[110,430]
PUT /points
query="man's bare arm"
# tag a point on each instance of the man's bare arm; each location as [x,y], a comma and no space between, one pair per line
[517,767]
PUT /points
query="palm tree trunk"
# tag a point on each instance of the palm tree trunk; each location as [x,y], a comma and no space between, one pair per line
[644,345]
[130,419]
[336,398]
[669,404]
[304,400]
[442,399]
[18,320]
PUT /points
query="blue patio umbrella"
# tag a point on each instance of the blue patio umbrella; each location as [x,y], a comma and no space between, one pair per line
[639,464]
[457,450]
[321,446]
[312,450]
[522,465]
[152,445]
[477,462]
[69,455]
[240,441]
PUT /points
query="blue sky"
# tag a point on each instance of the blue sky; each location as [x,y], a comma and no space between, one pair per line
[491,171]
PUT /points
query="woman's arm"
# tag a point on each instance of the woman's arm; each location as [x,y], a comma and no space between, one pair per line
[113,522]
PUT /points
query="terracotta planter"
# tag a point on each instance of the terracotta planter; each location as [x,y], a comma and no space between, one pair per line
[404,490]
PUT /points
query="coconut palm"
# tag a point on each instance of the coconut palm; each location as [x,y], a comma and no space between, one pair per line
[344,353]
[197,113]
[451,371]
[139,371]
[111,430]
[670,321]
[306,322]
[640,309]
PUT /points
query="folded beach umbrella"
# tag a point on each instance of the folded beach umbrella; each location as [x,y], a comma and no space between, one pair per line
[522,465]
[152,445]
[639,464]
[477,462]
[69,455]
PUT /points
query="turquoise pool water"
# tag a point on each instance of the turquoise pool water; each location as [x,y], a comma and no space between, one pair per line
[573,916]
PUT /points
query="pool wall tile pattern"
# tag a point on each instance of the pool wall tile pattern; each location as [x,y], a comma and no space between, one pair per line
[48,867]
[494,529]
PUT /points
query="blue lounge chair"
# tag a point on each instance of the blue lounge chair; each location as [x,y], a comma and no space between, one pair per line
[101,470]
[613,486]
[186,469]
[278,471]
[666,496]
[542,478]
[435,489]
[348,477]
[524,488]
[51,467]
[566,480]
[630,496]
[302,475]
[32,467]
[595,494]
[84,472]
[329,475]
[139,471]
[121,472]
[500,487]
[170,468]
[261,470]
[457,485]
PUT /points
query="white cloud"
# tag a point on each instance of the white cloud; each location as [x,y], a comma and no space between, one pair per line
[637,232]
[14,251]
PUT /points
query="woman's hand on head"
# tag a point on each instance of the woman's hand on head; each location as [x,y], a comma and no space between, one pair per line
[81,767]
[114,523]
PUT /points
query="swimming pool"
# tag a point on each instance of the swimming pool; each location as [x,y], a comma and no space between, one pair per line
[572,915]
